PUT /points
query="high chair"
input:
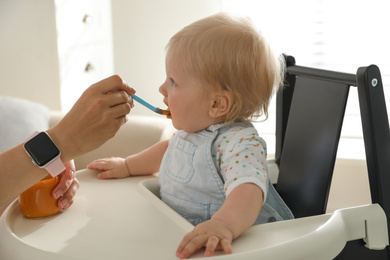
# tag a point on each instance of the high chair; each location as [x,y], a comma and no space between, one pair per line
[125,219]
[310,112]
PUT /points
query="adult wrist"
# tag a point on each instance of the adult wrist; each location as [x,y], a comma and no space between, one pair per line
[44,153]
[63,144]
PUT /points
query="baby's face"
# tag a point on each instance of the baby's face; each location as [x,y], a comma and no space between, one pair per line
[188,98]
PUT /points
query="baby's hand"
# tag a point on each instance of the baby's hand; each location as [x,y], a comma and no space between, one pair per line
[111,168]
[212,234]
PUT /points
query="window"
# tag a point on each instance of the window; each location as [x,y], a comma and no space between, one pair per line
[328,34]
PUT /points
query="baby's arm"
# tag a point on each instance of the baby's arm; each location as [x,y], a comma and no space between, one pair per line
[144,163]
[237,214]
[148,161]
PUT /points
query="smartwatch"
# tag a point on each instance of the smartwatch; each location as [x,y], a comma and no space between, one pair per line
[44,153]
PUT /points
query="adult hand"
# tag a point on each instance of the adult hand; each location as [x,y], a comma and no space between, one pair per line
[68,186]
[95,117]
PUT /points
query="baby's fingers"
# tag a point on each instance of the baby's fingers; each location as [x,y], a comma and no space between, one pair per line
[211,245]
[107,175]
[215,243]
[179,252]
[226,246]
[190,243]
[100,164]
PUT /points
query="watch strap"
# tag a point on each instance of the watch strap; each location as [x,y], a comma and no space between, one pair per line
[31,136]
[54,167]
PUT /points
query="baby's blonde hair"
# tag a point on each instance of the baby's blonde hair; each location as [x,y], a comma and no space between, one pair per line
[229,53]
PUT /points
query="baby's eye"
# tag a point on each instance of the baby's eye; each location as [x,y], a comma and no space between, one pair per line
[173,83]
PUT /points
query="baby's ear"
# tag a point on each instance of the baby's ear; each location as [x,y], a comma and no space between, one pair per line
[221,105]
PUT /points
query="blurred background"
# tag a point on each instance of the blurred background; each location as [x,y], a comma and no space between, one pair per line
[52,50]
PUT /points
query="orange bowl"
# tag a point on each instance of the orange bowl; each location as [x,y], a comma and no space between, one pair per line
[37,201]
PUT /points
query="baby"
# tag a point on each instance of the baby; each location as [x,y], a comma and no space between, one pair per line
[221,75]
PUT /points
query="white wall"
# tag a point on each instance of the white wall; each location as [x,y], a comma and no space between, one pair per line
[28,51]
[141,30]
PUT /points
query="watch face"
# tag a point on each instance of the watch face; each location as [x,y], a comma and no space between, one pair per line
[42,149]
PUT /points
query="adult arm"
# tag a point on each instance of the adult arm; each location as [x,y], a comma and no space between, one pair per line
[95,118]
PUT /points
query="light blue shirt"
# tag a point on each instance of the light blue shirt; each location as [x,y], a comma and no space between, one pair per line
[199,170]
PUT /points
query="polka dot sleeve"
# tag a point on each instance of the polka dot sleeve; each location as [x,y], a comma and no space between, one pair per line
[242,156]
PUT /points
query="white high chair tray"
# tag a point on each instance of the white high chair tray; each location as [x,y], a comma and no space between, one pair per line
[123,219]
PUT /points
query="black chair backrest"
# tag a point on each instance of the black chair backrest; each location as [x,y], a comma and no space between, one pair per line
[311,136]
[310,111]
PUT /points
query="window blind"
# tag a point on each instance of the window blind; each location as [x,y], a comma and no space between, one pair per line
[328,34]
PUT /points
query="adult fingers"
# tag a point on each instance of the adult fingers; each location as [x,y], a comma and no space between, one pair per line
[70,170]
[113,83]
[67,199]
[62,186]
[120,110]
[118,97]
